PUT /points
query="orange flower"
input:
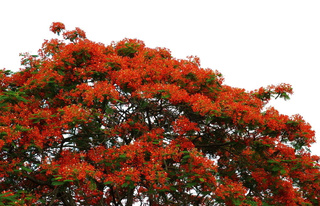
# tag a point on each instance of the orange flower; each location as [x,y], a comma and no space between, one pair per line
[57,27]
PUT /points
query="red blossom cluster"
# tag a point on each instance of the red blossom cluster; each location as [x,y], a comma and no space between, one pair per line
[87,124]
[57,27]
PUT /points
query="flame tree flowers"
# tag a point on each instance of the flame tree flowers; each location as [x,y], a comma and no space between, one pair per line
[87,124]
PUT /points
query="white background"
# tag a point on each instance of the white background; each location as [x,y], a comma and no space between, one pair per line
[252,43]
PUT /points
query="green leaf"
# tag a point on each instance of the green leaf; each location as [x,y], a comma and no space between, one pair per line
[3,134]
[283,171]
[273,161]
[236,202]
[108,183]
[57,178]
[108,164]
[123,156]
[61,72]
[166,96]
[26,169]
[67,180]
[186,156]
[57,183]
[109,110]
[93,185]
[125,184]
[173,188]
[275,169]
[191,76]
[205,192]
[22,128]
[293,123]
[156,142]
[191,184]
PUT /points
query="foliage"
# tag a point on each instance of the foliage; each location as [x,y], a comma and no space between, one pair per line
[89,124]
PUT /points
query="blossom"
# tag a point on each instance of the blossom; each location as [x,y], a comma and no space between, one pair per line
[57,27]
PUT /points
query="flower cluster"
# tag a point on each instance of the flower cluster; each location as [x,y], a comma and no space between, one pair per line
[88,124]
[57,27]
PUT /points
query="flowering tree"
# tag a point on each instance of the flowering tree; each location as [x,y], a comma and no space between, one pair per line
[87,124]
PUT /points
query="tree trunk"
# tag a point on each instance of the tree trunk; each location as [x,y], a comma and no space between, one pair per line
[130,197]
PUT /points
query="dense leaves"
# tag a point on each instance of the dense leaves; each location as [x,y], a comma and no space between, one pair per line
[87,124]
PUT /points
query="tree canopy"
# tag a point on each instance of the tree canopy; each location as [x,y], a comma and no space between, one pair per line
[87,124]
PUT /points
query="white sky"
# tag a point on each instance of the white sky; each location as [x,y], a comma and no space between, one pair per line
[252,43]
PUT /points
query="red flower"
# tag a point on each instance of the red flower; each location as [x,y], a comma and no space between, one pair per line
[74,34]
[81,33]
[56,27]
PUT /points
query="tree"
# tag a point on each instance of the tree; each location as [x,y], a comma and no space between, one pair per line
[87,124]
